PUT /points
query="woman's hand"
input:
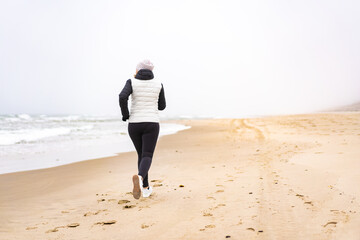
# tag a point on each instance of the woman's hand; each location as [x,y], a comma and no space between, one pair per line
[125,118]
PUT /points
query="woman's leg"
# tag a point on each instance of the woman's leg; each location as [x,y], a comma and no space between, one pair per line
[135,131]
[149,139]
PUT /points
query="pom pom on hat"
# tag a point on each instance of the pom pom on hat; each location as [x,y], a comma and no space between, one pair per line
[145,64]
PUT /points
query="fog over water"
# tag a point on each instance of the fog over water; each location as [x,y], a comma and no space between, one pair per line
[215,58]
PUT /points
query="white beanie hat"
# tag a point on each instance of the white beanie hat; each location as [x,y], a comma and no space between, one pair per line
[145,64]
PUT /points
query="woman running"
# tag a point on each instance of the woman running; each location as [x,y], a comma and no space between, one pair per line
[147,97]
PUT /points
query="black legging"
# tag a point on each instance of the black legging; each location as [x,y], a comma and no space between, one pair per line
[144,135]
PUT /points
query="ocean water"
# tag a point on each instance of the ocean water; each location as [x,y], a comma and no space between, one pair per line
[35,142]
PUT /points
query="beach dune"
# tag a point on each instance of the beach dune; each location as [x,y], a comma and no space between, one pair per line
[281,177]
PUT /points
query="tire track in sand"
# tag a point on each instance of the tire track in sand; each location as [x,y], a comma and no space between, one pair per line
[242,125]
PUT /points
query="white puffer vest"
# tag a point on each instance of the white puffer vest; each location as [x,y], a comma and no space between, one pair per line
[144,100]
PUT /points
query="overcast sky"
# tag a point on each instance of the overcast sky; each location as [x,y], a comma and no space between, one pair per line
[215,58]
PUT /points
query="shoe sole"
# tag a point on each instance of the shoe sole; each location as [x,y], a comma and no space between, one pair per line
[136,189]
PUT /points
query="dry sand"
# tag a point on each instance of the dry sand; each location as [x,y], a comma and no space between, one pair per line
[284,177]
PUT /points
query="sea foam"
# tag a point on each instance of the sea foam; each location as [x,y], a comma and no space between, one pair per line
[35,142]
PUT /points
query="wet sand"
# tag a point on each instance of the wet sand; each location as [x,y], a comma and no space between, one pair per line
[283,177]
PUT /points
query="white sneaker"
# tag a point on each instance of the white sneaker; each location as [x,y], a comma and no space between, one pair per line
[138,186]
[147,192]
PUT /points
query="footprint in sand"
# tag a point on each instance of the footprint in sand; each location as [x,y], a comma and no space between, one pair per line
[207,215]
[123,201]
[219,205]
[106,222]
[128,206]
[54,229]
[300,196]
[94,213]
[30,228]
[156,180]
[157,185]
[147,206]
[143,226]
[219,191]
[71,225]
[330,224]
[210,226]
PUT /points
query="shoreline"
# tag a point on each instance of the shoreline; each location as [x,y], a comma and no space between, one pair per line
[114,155]
[180,121]
[289,177]
[103,148]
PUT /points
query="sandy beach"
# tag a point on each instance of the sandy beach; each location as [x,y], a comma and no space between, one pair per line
[281,177]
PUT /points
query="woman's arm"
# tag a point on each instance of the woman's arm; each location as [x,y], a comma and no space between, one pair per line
[123,100]
[162,101]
